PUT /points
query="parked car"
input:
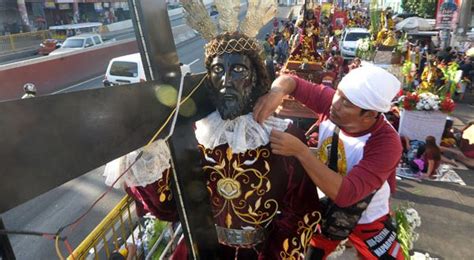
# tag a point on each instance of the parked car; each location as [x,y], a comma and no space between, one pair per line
[48,45]
[349,39]
[79,42]
[128,69]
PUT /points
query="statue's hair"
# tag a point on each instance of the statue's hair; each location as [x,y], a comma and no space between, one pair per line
[239,43]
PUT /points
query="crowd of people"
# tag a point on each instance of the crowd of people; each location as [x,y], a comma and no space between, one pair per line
[427,61]
[313,38]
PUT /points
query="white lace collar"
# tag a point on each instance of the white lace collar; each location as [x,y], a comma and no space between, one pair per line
[241,134]
[148,169]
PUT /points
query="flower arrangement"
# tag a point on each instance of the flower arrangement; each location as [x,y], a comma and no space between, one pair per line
[409,100]
[365,49]
[450,73]
[401,44]
[406,67]
[447,104]
[426,102]
[408,220]
[431,98]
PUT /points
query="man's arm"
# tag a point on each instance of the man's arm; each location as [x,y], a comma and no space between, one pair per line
[267,104]
[326,179]
[379,161]
[314,96]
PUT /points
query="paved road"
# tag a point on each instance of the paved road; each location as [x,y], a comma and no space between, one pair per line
[63,204]
[121,35]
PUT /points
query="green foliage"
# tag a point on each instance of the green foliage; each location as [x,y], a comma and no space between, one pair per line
[153,230]
[422,8]
[449,77]
[426,8]
[407,220]
[403,232]
[406,67]
[374,17]
[406,6]
[365,49]
[401,44]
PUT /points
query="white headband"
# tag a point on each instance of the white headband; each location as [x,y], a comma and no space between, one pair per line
[370,87]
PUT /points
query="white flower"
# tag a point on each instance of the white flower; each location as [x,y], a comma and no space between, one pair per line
[414,237]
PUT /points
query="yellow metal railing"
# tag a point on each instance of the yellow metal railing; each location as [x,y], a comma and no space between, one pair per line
[19,41]
[112,233]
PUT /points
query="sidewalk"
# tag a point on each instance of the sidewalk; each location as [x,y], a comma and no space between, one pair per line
[446,209]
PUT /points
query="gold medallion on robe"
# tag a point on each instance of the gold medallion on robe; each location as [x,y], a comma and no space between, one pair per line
[228,188]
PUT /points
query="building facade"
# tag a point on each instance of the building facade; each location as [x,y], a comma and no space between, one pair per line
[30,15]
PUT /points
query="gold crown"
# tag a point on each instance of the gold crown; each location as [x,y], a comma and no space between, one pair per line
[221,46]
[259,13]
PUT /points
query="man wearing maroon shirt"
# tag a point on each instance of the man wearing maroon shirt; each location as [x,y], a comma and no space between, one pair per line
[361,172]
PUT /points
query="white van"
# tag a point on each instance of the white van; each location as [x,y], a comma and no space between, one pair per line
[128,69]
[349,39]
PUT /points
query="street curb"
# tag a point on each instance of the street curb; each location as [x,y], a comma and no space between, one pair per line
[17,55]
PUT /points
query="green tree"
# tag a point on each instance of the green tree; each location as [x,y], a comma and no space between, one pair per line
[406,6]
[426,8]
[422,8]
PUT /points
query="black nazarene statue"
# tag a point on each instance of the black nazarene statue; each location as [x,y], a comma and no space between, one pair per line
[264,205]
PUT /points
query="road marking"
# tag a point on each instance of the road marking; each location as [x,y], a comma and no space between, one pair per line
[192,62]
[73,86]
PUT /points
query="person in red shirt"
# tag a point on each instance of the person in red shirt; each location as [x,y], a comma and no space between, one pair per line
[359,175]
[431,157]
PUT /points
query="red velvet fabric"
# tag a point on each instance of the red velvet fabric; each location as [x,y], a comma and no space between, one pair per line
[275,194]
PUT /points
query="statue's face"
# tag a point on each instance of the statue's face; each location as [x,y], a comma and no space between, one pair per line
[233,78]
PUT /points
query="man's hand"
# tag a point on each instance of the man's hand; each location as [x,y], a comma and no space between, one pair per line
[286,144]
[267,104]
[132,251]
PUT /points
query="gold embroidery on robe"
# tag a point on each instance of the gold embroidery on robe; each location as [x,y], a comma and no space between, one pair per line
[164,190]
[238,183]
[294,247]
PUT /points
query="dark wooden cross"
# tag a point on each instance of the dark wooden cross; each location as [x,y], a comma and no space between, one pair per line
[49,140]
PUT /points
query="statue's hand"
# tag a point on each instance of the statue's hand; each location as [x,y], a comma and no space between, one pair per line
[267,104]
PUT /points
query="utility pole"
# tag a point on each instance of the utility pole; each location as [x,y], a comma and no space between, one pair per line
[24,15]
[465,16]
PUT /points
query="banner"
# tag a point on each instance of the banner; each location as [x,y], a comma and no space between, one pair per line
[339,20]
[447,14]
